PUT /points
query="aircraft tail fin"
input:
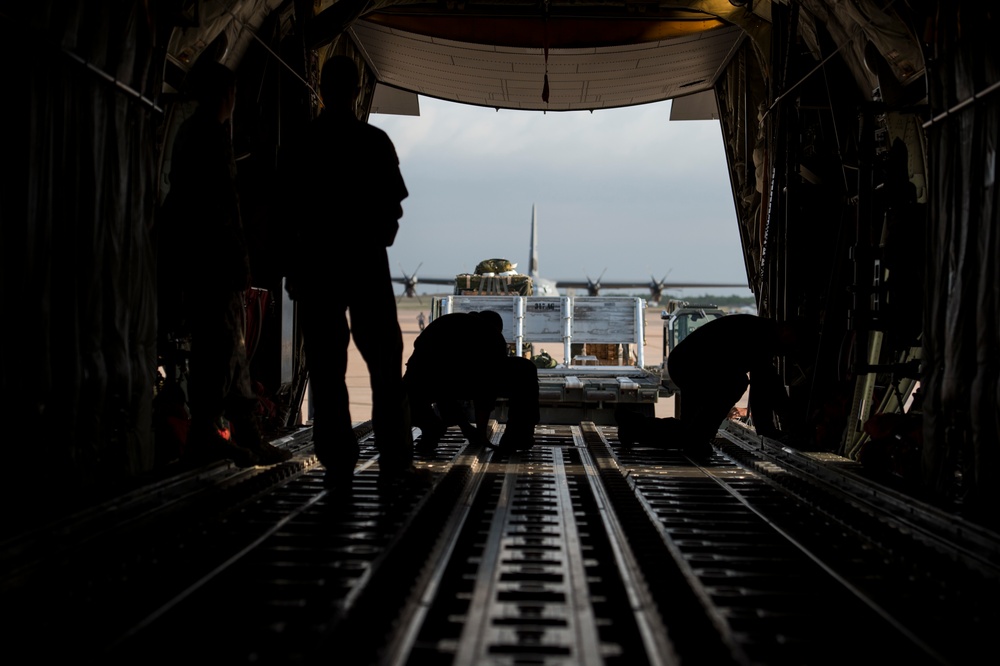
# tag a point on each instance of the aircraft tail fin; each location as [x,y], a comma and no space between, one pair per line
[533,263]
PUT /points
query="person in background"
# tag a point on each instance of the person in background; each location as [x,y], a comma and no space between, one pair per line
[212,272]
[712,368]
[463,358]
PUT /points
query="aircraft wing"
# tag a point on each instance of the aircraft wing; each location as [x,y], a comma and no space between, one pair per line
[406,280]
[410,281]
[674,285]
[637,284]
[656,287]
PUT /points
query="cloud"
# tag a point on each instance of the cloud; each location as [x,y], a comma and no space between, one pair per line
[621,189]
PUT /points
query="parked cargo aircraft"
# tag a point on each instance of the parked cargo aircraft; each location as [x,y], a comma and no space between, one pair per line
[546,287]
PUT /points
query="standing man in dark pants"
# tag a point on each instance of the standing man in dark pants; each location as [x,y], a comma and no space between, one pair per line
[463,357]
[712,368]
[205,232]
[344,194]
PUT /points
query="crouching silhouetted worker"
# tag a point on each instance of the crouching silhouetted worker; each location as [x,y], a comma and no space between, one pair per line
[712,368]
[345,194]
[202,212]
[461,358]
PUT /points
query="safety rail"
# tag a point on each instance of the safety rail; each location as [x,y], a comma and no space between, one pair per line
[560,319]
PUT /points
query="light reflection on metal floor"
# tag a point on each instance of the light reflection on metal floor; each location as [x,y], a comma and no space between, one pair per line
[576,552]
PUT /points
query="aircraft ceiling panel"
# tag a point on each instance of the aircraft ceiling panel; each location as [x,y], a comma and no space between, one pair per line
[513,77]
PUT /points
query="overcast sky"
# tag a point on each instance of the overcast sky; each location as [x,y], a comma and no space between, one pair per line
[622,191]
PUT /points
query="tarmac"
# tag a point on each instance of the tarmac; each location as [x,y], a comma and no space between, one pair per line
[359,389]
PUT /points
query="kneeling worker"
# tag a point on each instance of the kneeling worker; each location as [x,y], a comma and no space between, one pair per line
[462,357]
[712,368]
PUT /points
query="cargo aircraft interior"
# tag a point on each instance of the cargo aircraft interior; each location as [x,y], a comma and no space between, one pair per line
[861,144]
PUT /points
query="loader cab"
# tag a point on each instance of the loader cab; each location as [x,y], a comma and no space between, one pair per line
[679,320]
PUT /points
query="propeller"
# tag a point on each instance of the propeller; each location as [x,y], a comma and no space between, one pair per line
[409,284]
[594,286]
[656,287]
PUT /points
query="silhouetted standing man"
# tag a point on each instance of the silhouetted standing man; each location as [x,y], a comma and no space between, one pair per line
[206,232]
[345,190]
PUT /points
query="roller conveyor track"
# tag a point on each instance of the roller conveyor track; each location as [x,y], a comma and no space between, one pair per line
[533,576]
[577,552]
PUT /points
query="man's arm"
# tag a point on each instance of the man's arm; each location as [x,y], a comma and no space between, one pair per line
[768,400]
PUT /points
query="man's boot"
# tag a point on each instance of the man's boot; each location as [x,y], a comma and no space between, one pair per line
[247,433]
[517,437]
[211,440]
[632,427]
